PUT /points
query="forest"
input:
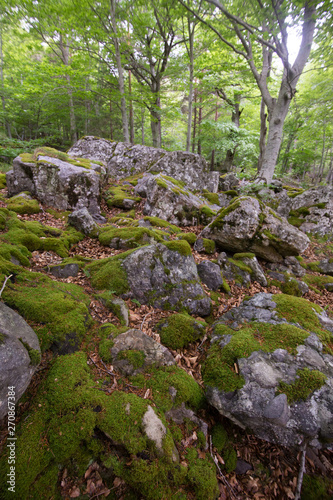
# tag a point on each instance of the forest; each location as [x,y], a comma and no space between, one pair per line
[166,249]
[246,84]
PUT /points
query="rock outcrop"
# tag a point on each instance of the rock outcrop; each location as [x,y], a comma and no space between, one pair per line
[247,225]
[19,355]
[282,388]
[57,180]
[124,160]
[171,201]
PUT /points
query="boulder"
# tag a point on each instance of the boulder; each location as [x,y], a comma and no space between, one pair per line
[247,225]
[325,266]
[82,220]
[166,277]
[64,270]
[228,182]
[19,355]
[311,210]
[210,274]
[282,387]
[57,182]
[133,351]
[171,201]
[124,160]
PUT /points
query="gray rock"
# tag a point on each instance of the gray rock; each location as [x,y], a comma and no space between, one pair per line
[250,226]
[121,307]
[329,287]
[135,340]
[165,279]
[57,183]
[326,267]
[154,429]
[256,405]
[64,271]
[83,221]
[123,160]
[257,271]
[168,201]
[16,367]
[210,274]
[228,182]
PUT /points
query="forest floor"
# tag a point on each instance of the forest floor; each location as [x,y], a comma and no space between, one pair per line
[273,470]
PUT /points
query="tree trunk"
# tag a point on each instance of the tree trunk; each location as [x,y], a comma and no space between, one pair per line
[329,178]
[190,95]
[142,125]
[155,121]
[195,120]
[6,123]
[131,117]
[199,124]
[111,121]
[235,119]
[120,72]
[263,135]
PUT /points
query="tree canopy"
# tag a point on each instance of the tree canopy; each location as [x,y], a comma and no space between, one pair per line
[211,77]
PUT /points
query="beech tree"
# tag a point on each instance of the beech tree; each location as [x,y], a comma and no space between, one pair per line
[266,24]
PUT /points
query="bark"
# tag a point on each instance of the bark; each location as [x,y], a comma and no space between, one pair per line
[190,95]
[329,178]
[120,71]
[143,126]
[65,57]
[199,124]
[6,122]
[131,116]
[195,120]
[263,135]
[111,122]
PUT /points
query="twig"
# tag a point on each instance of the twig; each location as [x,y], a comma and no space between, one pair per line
[4,284]
[103,370]
[222,476]
[301,471]
[202,342]
[144,319]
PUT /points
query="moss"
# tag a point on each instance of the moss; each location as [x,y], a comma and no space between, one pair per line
[313,266]
[21,205]
[243,267]
[132,237]
[316,488]
[211,197]
[179,330]
[244,255]
[176,182]
[104,350]
[219,221]
[156,221]
[301,311]
[19,252]
[117,194]
[161,184]
[202,477]
[209,245]
[108,274]
[207,212]
[191,238]
[180,246]
[231,192]
[155,480]
[162,378]
[60,310]
[218,369]
[134,357]
[2,181]
[219,437]
[295,221]
[290,287]
[306,382]
[34,354]
[318,282]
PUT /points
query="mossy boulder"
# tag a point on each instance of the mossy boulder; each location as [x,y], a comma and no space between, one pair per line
[163,275]
[57,180]
[167,200]
[268,369]
[19,357]
[247,225]
[59,311]
[23,204]
[131,237]
[178,330]
[60,430]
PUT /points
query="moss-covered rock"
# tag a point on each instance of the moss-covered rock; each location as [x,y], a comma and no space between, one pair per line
[132,237]
[178,330]
[23,205]
[59,311]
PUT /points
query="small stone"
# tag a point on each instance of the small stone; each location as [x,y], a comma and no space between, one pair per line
[277,410]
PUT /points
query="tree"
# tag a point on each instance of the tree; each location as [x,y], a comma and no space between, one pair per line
[266,24]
